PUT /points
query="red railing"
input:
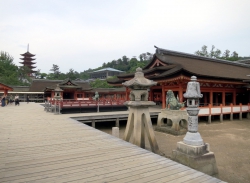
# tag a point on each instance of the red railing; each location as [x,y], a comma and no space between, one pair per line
[86,103]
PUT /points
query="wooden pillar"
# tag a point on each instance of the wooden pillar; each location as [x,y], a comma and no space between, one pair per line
[5,91]
[234,97]
[211,98]
[180,93]
[151,95]
[223,98]
[163,97]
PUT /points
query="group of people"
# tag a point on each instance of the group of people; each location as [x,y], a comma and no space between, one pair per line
[5,100]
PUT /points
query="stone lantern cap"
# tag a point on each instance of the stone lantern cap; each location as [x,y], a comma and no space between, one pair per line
[139,82]
[58,89]
[193,89]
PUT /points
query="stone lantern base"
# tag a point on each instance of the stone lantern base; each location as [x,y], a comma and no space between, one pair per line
[176,122]
[196,157]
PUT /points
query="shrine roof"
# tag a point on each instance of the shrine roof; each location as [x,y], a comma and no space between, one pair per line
[20,88]
[172,62]
[4,86]
[204,67]
[247,61]
[39,85]
[107,69]
[105,90]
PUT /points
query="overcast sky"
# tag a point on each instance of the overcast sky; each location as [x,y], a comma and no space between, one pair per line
[84,34]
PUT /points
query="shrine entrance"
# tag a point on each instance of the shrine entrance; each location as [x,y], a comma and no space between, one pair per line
[68,95]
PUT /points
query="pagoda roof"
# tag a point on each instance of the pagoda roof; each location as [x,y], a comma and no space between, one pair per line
[28,54]
[27,63]
[27,58]
[166,63]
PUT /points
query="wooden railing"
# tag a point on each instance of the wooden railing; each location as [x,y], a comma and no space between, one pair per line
[229,109]
[86,103]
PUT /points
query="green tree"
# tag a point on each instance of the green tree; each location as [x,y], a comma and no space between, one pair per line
[9,72]
[72,74]
[217,54]
[100,84]
[55,72]
[203,52]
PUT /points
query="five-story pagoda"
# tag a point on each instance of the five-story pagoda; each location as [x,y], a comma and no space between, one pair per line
[28,61]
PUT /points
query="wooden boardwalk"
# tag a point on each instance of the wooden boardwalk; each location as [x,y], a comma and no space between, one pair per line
[36,146]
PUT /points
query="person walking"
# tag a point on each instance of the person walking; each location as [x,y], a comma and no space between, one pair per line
[3,100]
[28,99]
[11,99]
[16,100]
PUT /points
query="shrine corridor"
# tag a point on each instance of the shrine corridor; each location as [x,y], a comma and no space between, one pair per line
[36,146]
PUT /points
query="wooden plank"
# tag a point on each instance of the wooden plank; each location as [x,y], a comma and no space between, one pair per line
[202,178]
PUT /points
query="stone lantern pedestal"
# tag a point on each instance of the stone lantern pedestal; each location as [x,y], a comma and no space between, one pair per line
[139,121]
[192,151]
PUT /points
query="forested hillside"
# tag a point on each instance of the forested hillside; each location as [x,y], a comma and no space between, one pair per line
[10,74]
[124,64]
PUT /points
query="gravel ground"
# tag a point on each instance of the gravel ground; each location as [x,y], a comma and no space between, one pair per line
[229,140]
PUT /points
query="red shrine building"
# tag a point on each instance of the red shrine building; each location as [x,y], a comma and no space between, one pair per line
[28,61]
[222,82]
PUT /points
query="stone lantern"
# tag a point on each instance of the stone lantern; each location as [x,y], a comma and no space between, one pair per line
[193,95]
[193,152]
[139,120]
[58,91]
[57,98]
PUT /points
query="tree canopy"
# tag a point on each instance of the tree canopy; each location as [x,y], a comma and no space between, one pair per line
[217,53]
[10,74]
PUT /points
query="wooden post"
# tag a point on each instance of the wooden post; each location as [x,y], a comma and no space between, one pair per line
[209,116]
[211,98]
[93,123]
[163,97]
[117,122]
[180,92]
[240,117]
[221,113]
[231,114]
[151,95]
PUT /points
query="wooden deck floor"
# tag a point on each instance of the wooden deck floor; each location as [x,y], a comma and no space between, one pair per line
[36,146]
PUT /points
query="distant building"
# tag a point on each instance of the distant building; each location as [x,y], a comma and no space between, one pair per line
[42,89]
[28,61]
[105,73]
